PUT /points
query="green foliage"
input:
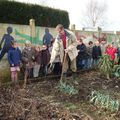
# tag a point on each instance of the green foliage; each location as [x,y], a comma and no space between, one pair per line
[21,13]
[104,101]
[105,66]
[67,89]
[116,70]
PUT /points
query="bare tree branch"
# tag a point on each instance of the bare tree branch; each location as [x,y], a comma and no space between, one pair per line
[94,14]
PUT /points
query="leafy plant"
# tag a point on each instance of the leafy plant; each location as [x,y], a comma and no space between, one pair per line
[116,70]
[104,101]
[105,66]
[67,89]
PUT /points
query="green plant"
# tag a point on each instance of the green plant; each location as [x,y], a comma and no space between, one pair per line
[66,88]
[116,70]
[105,66]
[104,101]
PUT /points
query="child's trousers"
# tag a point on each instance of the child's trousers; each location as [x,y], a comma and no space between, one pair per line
[36,69]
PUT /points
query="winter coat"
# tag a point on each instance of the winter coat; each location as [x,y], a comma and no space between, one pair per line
[28,57]
[82,54]
[89,52]
[14,57]
[45,57]
[111,52]
[58,48]
[57,58]
[38,57]
[96,52]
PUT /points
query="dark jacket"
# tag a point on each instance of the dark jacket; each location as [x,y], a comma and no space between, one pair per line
[82,54]
[89,52]
[38,57]
[96,52]
[45,57]
[28,56]
[14,56]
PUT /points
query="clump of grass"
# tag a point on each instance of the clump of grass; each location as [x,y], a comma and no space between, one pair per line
[67,89]
[104,101]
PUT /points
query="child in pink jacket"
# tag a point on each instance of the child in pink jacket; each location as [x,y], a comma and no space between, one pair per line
[111,51]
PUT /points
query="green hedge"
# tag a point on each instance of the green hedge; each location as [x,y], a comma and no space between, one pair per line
[20,13]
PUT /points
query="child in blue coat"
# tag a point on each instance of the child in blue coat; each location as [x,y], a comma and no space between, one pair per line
[14,59]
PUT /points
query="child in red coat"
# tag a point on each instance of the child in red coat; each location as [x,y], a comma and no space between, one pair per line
[111,51]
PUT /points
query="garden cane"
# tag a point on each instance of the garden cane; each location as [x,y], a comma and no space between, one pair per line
[64,59]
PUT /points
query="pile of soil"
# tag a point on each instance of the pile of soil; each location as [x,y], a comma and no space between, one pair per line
[30,104]
[43,101]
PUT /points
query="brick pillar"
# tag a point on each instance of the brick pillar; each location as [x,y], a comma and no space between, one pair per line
[32,29]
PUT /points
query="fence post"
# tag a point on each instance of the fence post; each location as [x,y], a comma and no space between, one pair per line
[32,30]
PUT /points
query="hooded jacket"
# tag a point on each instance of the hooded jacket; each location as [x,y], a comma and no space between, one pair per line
[14,57]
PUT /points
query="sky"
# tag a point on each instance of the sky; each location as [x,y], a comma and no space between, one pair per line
[75,9]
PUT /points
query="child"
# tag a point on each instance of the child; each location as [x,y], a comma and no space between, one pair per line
[14,58]
[82,55]
[28,60]
[89,52]
[45,59]
[96,53]
[111,51]
[37,61]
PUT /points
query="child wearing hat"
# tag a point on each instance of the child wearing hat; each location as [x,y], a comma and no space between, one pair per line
[28,61]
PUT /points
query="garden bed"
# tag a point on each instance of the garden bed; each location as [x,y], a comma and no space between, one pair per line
[43,101]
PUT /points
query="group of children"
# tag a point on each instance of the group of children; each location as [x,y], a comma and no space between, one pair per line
[34,59]
[89,54]
[31,58]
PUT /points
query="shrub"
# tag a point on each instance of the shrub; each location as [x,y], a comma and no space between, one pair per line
[21,13]
[105,66]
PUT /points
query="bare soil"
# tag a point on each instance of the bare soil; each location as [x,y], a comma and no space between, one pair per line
[43,101]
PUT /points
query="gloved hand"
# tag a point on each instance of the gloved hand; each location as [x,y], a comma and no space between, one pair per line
[66,50]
